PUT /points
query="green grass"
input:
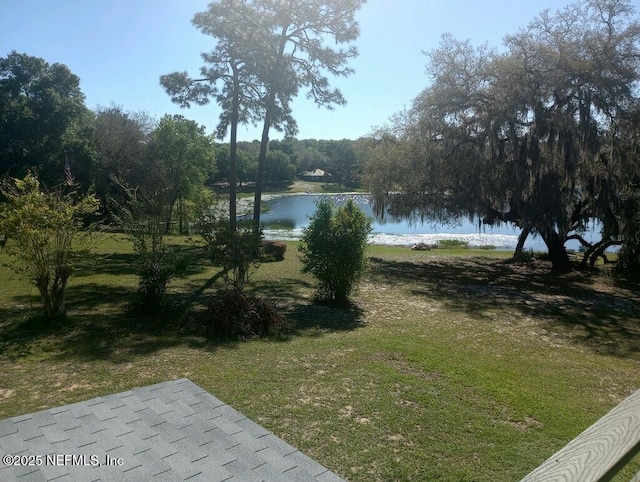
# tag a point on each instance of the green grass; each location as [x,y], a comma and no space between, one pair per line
[450,365]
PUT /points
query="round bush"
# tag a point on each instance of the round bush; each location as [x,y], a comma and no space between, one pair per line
[333,249]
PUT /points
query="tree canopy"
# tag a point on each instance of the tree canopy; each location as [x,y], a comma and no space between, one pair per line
[298,56]
[39,103]
[184,159]
[233,75]
[524,135]
[266,50]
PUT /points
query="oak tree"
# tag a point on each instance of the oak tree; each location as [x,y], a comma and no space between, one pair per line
[39,103]
[518,136]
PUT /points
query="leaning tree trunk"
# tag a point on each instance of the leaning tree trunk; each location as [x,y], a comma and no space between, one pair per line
[521,240]
[169,215]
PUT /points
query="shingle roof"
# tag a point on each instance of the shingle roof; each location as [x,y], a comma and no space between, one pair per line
[174,430]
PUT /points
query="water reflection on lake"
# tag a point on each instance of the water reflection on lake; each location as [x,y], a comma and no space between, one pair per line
[288,215]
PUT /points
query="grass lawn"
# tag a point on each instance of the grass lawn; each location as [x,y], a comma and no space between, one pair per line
[451,365]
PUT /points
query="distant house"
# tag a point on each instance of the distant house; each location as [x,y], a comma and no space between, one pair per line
[317,175]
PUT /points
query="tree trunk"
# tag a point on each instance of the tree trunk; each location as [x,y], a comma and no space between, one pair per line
[594,251]
[233,151]
[43,288]
[233,167]
[264,142]
[262,161]
[169,216]
[181,215]
[521,240]
[599,252]
[58,293]
[557,252]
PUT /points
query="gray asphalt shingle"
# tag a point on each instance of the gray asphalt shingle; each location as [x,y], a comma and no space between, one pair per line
[174,430]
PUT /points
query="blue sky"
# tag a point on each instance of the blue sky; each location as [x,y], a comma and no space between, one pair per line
[119,49]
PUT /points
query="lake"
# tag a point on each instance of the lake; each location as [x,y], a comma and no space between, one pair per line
[289,215]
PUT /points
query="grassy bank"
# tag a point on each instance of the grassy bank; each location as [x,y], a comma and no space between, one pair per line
[452,364]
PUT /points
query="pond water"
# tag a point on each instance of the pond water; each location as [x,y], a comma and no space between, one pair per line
[289,215]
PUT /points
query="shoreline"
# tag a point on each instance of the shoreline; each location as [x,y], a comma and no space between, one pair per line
[500,241]
[245,205]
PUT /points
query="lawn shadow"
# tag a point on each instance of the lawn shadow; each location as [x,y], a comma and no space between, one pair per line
[119,264]
[109,264]
[295,296]
[316,318]
[101,323]
[283,291]
[596,311]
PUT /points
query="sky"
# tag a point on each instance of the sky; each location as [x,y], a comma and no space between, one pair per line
[120,48]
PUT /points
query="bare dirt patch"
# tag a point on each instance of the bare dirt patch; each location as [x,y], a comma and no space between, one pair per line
[6,392]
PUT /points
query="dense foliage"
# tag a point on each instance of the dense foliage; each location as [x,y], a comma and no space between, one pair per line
[343,159]
[184,160]
[41,109]
[271,251]
[535,135]
[333,248]
[45,125]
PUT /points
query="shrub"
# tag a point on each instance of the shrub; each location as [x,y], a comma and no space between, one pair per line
[523,256]
[238,253]
[333,249]
[45,233]
[452,244]
[272,251]
[156,263]
[144,221]
[232,313]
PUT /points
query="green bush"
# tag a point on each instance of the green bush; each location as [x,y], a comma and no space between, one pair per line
[45,234]
[526,256]
[452,244]
[143,219]
[333,249]
[272,251]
